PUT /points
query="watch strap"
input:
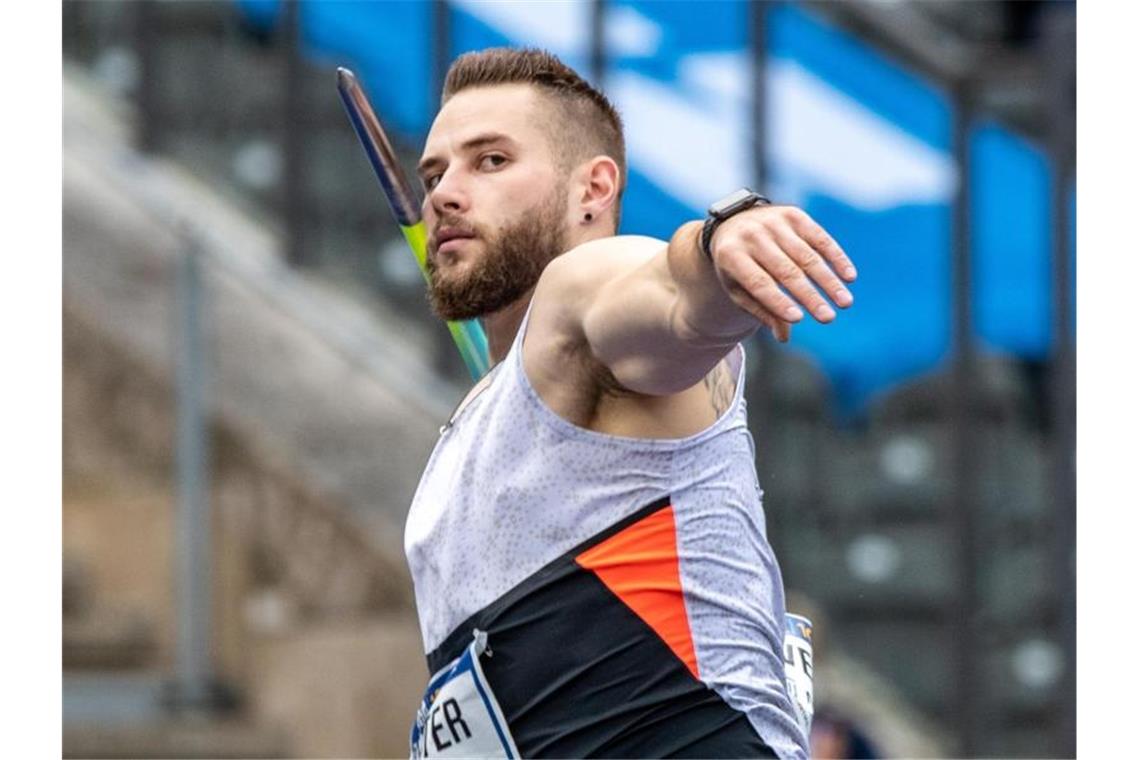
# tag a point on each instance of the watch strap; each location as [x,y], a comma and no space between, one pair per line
[726,208]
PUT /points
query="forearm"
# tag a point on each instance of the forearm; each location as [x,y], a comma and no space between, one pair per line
[703,314]
[661,316]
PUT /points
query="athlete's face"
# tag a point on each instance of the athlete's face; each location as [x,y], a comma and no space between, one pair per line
[496,206]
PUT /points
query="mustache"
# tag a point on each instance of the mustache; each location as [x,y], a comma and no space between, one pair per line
[450,222]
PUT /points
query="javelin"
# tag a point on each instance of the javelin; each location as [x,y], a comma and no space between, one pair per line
[468,334]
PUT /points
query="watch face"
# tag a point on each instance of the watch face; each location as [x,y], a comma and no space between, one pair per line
[730,203]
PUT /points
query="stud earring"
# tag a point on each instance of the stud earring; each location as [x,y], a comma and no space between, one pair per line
[589,217]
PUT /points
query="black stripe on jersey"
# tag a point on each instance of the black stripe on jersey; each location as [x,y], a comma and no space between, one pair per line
[458,639]
[579,674]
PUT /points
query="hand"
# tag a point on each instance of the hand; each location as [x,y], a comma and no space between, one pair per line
[759,251]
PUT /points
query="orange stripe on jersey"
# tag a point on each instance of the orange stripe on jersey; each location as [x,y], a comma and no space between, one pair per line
[639,565]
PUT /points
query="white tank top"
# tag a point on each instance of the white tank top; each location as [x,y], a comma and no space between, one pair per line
[511,486]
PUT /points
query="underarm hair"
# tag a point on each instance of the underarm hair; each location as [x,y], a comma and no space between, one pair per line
[720,387]
[606,383]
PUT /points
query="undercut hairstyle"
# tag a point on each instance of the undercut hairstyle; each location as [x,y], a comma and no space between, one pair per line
[583,123]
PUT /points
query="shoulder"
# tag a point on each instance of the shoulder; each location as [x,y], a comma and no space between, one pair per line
[592,264]
[556,354]
[572,282]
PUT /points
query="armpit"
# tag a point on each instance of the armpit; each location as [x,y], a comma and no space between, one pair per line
[721,387]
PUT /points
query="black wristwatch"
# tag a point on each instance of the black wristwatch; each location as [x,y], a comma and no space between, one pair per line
[726,207]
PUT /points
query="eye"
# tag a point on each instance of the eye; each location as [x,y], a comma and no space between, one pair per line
[431,181]
[492,161]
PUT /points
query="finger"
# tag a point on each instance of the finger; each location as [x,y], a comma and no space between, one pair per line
[780,329]
[778,263]
[783,331]
[824,244]
[744,301]
[747,275]
[815,266]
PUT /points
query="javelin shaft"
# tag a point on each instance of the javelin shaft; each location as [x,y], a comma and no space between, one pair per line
[468,334]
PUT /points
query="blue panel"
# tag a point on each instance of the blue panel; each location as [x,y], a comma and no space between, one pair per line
[260,13]
[388,45]
[1073,255]
[899,326]
[878,83]
[696,27]
[470,33]
[686,28]
[648,210]
[1011,242]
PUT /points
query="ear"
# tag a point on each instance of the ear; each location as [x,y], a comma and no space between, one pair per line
[599,180]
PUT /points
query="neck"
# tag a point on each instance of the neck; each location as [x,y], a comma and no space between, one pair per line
[502,326]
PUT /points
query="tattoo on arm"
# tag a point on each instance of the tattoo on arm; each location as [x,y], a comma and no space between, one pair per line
[721,388]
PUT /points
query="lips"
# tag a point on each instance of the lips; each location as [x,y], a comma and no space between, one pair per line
[449,239]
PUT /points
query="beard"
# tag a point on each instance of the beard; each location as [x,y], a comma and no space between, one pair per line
[510,266]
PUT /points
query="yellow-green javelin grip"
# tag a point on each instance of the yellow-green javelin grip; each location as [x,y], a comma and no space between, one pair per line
[468,334]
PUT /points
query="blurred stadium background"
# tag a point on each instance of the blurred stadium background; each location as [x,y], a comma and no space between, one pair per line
[253,381]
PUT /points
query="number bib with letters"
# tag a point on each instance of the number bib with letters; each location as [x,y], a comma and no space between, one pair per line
[459,716]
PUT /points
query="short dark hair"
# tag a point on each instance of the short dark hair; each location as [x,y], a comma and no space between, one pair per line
[589,123]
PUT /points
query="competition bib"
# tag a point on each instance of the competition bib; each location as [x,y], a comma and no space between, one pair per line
[459,716]
[798,667]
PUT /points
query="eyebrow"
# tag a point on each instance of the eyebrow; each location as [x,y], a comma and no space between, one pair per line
[479,141]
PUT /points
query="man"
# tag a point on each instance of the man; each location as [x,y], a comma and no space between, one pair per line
[587,542]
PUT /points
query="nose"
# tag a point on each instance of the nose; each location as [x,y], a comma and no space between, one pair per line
[449,196]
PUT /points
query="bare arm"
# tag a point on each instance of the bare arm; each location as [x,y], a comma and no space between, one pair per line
[660,316]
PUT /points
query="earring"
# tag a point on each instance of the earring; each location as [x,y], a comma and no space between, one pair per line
[589,217]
